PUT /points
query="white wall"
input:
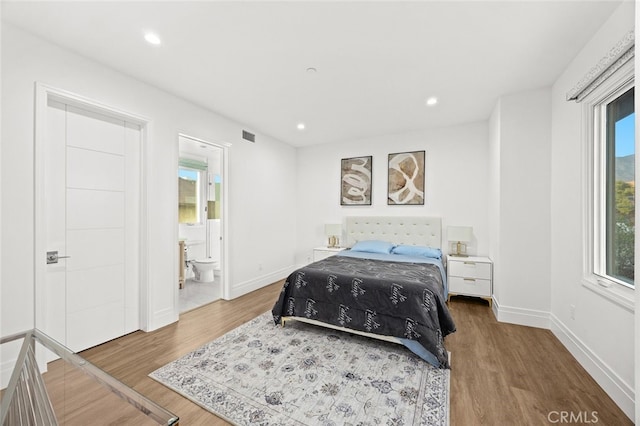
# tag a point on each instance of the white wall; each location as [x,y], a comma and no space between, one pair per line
[261,180]
[455,189]
[521,149]
[601,336]
[263,197]
[281,197]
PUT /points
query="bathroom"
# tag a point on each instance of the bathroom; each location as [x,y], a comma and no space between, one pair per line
[200,221]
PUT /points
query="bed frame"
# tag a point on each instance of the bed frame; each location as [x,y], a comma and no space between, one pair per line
[418,230]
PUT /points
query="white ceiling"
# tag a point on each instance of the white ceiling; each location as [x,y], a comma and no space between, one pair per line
[376,62]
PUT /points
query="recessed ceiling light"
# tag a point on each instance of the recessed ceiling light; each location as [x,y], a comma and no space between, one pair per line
[152,38]
[301,126]
[432,101]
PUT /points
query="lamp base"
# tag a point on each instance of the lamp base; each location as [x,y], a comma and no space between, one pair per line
[459,249]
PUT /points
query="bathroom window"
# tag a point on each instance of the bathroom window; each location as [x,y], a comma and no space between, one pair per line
[189,195]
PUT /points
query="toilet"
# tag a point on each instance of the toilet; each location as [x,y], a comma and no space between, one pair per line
[203,269]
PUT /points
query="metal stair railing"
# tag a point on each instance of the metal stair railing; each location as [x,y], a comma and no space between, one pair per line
[25,401]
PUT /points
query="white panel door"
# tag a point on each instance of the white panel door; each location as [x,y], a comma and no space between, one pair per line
[92,216]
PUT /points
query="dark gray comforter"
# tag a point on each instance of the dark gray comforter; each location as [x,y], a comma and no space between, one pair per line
[403,300]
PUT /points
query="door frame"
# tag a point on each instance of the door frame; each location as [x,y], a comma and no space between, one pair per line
[224,229]
[43,93]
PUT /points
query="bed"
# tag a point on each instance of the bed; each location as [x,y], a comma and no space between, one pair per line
[389,285]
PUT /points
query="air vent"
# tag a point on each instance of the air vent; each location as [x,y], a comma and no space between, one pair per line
[248,136]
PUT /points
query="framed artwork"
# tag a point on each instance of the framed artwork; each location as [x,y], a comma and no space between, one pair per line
[355,181]
[406,178]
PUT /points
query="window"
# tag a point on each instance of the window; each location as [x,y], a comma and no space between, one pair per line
[189,200]
[607,94]
[611,175]
[619,227]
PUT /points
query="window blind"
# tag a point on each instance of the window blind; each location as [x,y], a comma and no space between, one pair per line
[619,55]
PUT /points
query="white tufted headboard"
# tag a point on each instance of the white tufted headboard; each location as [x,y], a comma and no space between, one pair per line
[416,230]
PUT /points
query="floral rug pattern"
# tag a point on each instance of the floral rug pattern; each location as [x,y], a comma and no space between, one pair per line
[262,374]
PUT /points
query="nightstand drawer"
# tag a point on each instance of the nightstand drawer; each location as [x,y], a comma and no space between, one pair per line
[469,269]
[320,253]
[470,286]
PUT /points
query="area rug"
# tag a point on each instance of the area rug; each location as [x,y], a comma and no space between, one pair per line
[263,374]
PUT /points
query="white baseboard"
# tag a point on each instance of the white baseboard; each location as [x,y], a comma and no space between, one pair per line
[162,318]
[621,392]
[521,316]
[259,282]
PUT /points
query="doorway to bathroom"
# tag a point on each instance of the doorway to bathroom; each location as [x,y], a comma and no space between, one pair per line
[201,198]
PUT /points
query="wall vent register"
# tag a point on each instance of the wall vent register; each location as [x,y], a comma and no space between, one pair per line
[248,136]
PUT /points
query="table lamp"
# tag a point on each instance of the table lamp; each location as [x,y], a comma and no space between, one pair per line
[333,231]
[459,235]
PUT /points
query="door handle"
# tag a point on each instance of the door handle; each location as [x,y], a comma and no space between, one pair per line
[52,257]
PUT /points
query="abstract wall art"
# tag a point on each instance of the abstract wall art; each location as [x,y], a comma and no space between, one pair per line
[355,181]
[406,178]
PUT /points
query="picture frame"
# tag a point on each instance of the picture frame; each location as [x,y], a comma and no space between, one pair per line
[355,181]
[406,178]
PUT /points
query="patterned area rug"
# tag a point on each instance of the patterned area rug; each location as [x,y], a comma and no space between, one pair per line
[302,374]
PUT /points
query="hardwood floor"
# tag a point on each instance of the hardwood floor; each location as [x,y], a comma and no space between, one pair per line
[505,374]
[502,374]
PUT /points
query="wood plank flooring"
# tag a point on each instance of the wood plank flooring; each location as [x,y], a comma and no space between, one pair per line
[502,374]
[506,374]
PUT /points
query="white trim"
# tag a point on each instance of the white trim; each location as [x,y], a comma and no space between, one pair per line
[592,163]
[162,317]
[617,293]
[89,104]
[259,282]
[521,316]
[226,276]
[621,392]
[43,93]
[145,294]
[224,230]
[220,144]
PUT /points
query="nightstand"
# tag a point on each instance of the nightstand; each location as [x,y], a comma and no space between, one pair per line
[470,276]
[320,253]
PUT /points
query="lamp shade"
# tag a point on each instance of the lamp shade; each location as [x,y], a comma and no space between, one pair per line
[459,233]
[333,229]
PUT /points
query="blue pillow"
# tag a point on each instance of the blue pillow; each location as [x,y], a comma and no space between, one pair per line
[422,251]
[373,246]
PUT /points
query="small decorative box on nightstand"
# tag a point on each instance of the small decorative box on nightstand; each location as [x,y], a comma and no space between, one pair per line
[320,253]
[470,276]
